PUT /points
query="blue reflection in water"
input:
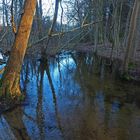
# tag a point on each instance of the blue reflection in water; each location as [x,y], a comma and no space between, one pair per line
[70,103]
[115,106]
[66,100]
[49,122]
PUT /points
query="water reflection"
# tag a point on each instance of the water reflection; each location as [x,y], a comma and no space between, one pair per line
[73,97]
[39,108]
[15,125]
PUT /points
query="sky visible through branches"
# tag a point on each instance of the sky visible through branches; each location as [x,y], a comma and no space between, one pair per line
[48,9]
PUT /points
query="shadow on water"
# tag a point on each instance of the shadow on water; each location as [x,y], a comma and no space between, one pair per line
[73,97]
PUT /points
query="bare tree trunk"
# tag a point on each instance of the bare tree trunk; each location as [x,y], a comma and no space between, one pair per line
[13,18]
[40,8]
[11,76]
[53,22]
[3,10]
[131,35]
[39,20]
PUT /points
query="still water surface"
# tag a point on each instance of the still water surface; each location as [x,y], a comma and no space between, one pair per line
[73,97]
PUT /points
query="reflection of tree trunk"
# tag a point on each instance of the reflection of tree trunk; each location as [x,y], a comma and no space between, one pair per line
[14,120]
[59,70]
[54,98]
[11,76]
[107,116]
[39,109]
[124,125]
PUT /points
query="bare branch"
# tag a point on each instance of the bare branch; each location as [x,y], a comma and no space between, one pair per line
[62,33]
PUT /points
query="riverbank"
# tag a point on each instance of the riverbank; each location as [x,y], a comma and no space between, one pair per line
[104,52]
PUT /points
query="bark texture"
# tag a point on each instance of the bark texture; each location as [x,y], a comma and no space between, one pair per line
[11,76]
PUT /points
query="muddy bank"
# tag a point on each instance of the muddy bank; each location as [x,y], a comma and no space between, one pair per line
[106,52]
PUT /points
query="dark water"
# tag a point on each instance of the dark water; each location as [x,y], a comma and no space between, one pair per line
[73,97]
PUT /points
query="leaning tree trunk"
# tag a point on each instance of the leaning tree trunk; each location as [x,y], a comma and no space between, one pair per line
[11,76]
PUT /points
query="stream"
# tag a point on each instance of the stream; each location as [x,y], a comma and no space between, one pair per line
[74,96]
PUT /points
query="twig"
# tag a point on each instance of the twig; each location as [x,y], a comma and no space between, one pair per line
[3,36]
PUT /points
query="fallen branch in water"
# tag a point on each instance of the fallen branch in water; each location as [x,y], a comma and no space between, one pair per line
[66,44]
[62,33]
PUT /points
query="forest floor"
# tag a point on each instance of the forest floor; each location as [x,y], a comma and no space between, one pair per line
[105,50]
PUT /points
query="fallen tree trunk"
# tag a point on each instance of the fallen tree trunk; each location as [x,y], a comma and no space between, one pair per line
[62,33]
